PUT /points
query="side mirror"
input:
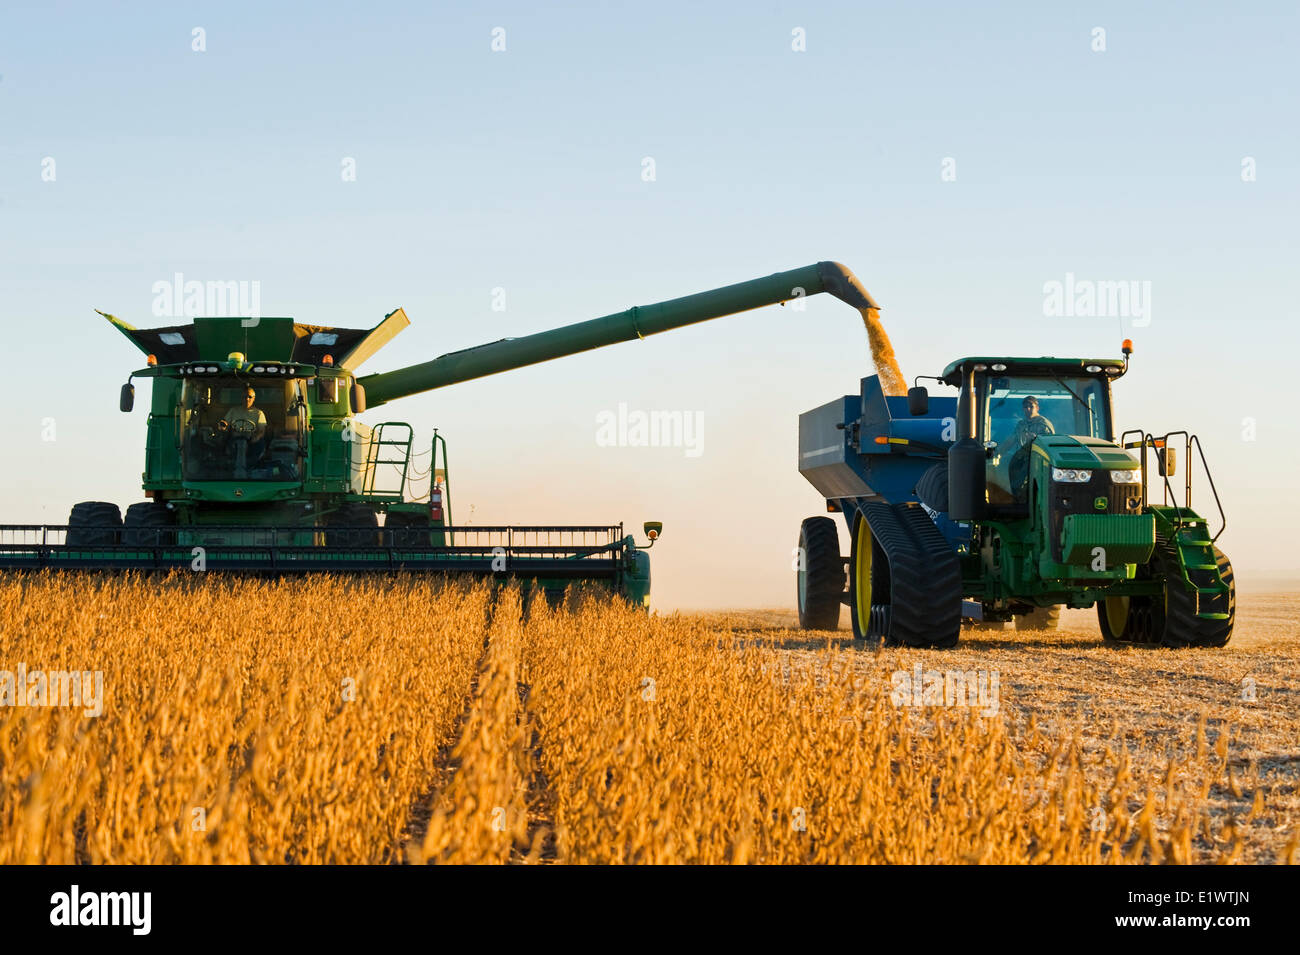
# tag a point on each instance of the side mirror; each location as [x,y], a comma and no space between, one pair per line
[1167,461]
[127,401]
[918,401]
[653,529]
[358,398]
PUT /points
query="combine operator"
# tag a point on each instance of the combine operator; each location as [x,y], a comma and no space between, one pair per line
[249,423]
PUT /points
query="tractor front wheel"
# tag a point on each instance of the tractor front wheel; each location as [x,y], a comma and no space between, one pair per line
[1169,619]
[1183,628]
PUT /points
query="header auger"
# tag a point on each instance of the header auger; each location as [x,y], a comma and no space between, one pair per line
[255,460]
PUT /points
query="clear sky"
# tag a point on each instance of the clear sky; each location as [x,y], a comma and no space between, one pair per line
[523,170]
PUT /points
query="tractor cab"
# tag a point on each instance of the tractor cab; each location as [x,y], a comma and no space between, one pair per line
[1010,408]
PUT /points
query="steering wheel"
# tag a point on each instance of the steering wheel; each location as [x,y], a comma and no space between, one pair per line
[242,428]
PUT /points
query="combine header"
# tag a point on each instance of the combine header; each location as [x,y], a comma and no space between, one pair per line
[255,460]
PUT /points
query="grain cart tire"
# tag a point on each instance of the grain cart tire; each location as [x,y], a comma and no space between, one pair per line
[140,527]
[932,488]
[820,582]
[402,529]
[1182,627]
[868,581]
[904,579]
[354,523]
[1040,618]
[94,524]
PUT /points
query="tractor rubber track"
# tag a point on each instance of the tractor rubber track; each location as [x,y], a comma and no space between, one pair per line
[924,576]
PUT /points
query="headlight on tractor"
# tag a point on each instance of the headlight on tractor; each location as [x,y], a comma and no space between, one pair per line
[1071,476]
[1126,477]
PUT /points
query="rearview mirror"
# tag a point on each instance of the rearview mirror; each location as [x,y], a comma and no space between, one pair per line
[918,401]
[127,401]
[358,398]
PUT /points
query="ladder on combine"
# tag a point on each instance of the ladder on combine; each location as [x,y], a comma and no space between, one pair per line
[1181,533]
[399,461]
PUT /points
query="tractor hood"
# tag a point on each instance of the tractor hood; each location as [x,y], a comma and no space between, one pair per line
[262,339]
[1067,451]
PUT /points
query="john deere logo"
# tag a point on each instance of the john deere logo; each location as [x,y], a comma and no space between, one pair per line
[1099,503]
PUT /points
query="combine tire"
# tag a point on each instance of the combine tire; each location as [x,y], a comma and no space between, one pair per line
[904,580]
[1040,618]
[141,527]
[821,581]
[94,524]
[352,525]
[406,530]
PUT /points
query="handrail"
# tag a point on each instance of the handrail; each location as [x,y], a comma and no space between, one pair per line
[1189,441]
[1200,450]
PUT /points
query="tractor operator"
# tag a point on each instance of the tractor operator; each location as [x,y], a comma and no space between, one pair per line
[247,422]
[1027,429]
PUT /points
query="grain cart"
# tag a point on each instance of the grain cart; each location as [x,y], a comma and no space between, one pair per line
[970,505]
[255,460]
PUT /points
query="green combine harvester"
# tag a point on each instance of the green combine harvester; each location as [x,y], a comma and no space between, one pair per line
[255,460]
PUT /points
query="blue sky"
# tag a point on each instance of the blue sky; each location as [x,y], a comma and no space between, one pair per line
[522,170]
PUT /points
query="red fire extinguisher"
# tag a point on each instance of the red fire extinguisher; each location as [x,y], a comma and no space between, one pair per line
[435,503]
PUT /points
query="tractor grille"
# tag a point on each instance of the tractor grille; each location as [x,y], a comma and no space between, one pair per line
[1081,499]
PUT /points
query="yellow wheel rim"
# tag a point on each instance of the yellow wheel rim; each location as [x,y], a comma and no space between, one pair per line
[862,574]
[1117,615]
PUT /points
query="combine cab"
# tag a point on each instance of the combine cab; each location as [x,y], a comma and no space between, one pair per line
[1007,501]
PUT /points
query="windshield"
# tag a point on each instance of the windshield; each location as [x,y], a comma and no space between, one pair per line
[1017,409]
[237,430]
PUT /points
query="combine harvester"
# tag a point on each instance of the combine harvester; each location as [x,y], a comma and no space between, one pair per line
[255,462]
[1017,505]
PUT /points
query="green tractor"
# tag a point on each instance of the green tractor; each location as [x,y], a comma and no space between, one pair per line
[1007,501]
